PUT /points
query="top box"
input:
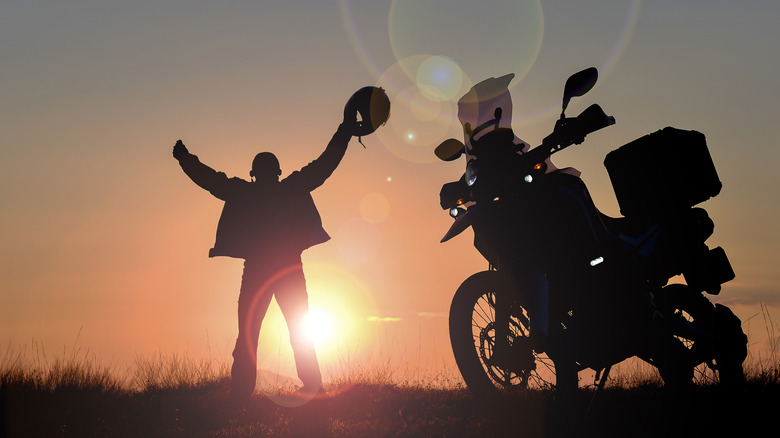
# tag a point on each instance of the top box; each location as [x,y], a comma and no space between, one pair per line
[657,175]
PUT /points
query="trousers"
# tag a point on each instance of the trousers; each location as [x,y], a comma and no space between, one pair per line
[260,282]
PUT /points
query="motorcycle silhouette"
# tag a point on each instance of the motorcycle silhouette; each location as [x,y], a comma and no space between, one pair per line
[568,287]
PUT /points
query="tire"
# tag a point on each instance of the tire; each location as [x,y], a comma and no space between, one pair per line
[725,348]
[732,348]
[472,334]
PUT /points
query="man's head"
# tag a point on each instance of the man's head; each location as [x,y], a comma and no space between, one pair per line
[265,167]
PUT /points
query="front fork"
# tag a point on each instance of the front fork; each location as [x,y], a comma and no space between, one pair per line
[528,286]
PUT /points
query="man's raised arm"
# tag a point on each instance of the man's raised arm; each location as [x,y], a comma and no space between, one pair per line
[315,173]
[202,175]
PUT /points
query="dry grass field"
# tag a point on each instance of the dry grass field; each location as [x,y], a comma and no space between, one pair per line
[176,396]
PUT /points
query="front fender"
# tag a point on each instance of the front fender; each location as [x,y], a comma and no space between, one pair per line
[461,223]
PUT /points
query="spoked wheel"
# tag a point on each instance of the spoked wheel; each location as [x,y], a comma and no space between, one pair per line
[490,371]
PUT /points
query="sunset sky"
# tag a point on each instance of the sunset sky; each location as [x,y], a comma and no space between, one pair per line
[105,241]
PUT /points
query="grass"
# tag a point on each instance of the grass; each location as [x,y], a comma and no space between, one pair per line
[764,367]
[178,396]
[175,396]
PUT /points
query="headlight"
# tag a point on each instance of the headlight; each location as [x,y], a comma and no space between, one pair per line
[471,173]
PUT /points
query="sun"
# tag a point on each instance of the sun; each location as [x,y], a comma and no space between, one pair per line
[320,326]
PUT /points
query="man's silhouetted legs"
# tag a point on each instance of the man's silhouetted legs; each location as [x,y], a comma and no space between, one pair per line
[262,281]
[253,303]
[294,302]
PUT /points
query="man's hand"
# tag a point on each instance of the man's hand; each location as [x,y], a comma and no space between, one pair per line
[180,151]
[349,127]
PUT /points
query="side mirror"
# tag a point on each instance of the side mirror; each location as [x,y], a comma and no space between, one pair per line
[578,84]
[450,149]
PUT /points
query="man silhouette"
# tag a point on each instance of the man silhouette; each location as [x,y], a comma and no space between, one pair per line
[268,223]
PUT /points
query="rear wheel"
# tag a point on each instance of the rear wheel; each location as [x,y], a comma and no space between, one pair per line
[731,350]
[473,336]
[712,333]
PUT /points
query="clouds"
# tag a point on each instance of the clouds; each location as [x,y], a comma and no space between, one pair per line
[383,319]
[418,315]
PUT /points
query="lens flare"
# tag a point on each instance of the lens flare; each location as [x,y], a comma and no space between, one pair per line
[622,27]
[374,208]
[422,114]
[359,241]
[482,37]
[624,37]
[424,108]
[439,78]
[358,44]
[418,125]
[320,326]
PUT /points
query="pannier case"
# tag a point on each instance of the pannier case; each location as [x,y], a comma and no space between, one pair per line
[662,172]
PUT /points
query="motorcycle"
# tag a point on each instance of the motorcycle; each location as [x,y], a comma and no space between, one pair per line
[569,288]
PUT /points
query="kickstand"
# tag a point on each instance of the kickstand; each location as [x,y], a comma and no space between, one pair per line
[600,380]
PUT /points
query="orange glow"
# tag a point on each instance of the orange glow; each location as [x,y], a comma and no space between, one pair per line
[105,232]
[320,327]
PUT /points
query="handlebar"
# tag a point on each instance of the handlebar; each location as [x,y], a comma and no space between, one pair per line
[509,167]
[570,131]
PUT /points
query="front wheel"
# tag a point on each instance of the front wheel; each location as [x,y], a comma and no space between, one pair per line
[473,329]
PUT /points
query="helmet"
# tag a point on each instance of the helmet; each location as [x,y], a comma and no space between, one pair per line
[372,104]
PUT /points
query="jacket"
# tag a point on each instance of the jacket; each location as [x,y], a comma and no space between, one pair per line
[268,220]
